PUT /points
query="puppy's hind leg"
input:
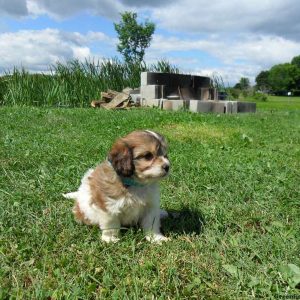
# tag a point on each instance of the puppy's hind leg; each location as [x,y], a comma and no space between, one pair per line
[72,195]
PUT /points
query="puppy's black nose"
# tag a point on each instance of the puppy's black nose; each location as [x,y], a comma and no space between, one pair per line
[166,167]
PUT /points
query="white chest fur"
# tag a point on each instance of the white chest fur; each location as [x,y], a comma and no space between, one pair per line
[131,208]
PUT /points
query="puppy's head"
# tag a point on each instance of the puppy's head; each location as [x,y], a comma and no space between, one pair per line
[142,155]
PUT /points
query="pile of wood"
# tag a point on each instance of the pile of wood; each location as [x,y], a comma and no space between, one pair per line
[114,100]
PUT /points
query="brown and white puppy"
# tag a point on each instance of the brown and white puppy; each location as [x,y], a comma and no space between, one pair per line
[124,189]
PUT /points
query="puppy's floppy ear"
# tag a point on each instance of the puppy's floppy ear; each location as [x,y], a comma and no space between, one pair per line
[121,158]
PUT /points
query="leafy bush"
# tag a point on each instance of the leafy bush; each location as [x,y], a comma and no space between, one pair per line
[260,97]
[234,93]
[296,92]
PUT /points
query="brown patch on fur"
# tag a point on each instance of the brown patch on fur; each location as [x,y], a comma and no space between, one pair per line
[121,158]
[79,215]
[95,184]
[104,182]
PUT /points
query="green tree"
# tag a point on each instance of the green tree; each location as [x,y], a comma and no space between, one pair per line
[284,77]
[296,61]
[237,86]
[243,84]
[134,38]
[262,81]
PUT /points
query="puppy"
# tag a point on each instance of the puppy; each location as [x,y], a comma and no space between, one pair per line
[124,189]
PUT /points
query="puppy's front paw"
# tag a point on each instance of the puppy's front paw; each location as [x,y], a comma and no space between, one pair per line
[156,238]
[109,239]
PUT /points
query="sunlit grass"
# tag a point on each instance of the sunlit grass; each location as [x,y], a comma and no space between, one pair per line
[277,103]
[234,180]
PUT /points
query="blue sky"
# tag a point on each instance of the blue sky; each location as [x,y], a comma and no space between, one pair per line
[229,38]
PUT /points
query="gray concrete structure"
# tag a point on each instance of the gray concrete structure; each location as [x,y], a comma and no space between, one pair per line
[152,102]
[200,106]
[175,104]
[220,107]
[170,86]
[243,107]
[179,91]
[152,91]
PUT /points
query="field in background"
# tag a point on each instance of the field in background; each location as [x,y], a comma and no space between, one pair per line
[73,84]
[76,84]
[277,103]
[234,180]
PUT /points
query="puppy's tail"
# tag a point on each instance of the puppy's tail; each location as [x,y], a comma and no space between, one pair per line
[72,195]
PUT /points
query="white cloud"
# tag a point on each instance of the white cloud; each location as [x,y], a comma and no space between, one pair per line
[37,49]
[59,9]
[236,37]
[81,53]
[276,17]
[64,8]
[230,74]
[244,56]
[16,8]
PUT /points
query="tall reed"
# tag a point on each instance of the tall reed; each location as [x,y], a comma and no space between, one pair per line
[73,84]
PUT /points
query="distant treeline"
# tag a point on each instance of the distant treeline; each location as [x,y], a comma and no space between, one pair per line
[73,84]
[281,78]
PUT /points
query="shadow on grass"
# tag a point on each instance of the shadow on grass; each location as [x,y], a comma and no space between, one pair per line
[183,222]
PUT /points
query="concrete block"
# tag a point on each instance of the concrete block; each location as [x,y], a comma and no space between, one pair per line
[144,78]
[200,106]
[150,78]
[246,107]
[174,104]
[222,107]
[205,94]
[215,94]
[152,102]
[136,98]
[135,91]
[234,107]
[152,91]
[228,107]
[158,78]
[219,107]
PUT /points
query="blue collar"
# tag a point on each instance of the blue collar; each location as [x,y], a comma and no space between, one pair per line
[127,181]
[130,182]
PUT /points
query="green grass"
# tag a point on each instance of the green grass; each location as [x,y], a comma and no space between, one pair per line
[277,103]
[235,180]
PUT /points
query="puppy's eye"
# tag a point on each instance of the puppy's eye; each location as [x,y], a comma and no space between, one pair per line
[148,156]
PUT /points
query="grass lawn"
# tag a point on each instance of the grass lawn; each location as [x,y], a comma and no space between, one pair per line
[234,180]
[276,103]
